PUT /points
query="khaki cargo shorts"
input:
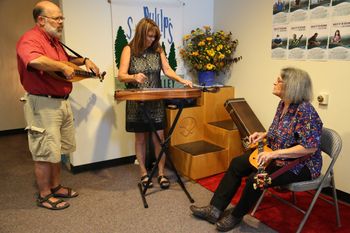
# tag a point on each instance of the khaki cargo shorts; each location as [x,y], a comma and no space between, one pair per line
[50,127]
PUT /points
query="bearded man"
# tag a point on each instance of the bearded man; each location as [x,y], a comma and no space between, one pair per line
[47,110]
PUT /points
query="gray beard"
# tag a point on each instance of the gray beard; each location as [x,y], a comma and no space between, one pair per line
[53,32]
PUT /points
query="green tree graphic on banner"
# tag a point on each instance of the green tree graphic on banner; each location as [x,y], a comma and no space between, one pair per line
[166,82]
[172,57]
[119,44]
[163,47]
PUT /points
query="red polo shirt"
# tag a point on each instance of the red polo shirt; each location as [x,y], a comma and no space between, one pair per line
[33,44]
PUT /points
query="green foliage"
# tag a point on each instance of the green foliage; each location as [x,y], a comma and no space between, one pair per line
[119,44]
[163,47]
[172,57]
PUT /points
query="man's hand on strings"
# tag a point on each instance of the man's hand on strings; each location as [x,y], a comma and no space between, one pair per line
[90,66]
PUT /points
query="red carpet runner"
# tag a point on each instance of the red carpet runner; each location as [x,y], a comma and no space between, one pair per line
[286,219]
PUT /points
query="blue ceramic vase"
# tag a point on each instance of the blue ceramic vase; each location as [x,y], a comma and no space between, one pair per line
[206,78]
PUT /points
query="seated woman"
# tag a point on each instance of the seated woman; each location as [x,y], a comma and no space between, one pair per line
[336,39]
[295,132]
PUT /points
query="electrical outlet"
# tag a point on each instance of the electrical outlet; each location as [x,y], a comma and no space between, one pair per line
[322,98]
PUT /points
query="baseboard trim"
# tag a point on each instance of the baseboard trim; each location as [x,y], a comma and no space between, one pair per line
[342,196]
[103,164]
[12,132]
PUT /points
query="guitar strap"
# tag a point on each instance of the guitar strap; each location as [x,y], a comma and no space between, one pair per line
[289,166]
[76,54]
[71,50]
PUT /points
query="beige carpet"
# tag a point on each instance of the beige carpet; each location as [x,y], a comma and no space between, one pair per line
[109,200]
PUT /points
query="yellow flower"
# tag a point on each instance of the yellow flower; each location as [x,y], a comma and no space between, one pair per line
[211,52]
[219,47]
[186,37]
[221,56]
[210,66]
[207,28]
[201,43]
[209,39]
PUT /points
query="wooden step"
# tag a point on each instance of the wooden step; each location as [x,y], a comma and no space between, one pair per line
[199,147]
[226,135]
[199,159]
[225,124]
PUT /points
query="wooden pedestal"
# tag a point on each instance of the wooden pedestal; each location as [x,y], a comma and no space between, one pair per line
[205,138]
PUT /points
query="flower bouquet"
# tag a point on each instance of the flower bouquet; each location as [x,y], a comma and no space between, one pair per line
[205,50]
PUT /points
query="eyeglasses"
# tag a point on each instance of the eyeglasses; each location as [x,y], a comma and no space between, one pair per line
[57,19]
[279,80]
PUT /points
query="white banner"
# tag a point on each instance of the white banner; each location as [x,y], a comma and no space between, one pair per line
[167,14]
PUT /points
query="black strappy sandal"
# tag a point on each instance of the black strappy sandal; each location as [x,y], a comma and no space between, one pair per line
[164,182]
[144,180]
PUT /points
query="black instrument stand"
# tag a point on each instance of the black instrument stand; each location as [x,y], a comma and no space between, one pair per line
[164,145]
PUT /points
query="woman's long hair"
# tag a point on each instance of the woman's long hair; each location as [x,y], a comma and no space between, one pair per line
[138,43]
[297,85]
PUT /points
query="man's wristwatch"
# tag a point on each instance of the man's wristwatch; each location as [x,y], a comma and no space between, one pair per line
[84,62]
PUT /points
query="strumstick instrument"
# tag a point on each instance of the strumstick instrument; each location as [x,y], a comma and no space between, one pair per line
[253,158]
[79,74]
[261,178]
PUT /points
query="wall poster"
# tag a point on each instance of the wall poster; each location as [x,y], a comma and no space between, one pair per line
[311,29]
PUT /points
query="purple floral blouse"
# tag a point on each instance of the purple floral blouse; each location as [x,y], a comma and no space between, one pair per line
[301,125]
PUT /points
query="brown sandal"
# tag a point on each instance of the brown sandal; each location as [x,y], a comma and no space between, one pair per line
[53,205]
[68,195]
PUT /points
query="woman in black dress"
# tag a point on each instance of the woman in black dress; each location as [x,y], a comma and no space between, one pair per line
[140,65]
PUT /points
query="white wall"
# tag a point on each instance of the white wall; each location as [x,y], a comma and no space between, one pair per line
[251,23]
[198,13]
[13,23]
[100,121]
[12,26]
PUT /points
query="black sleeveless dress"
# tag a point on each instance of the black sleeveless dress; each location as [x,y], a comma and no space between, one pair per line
[150,65]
